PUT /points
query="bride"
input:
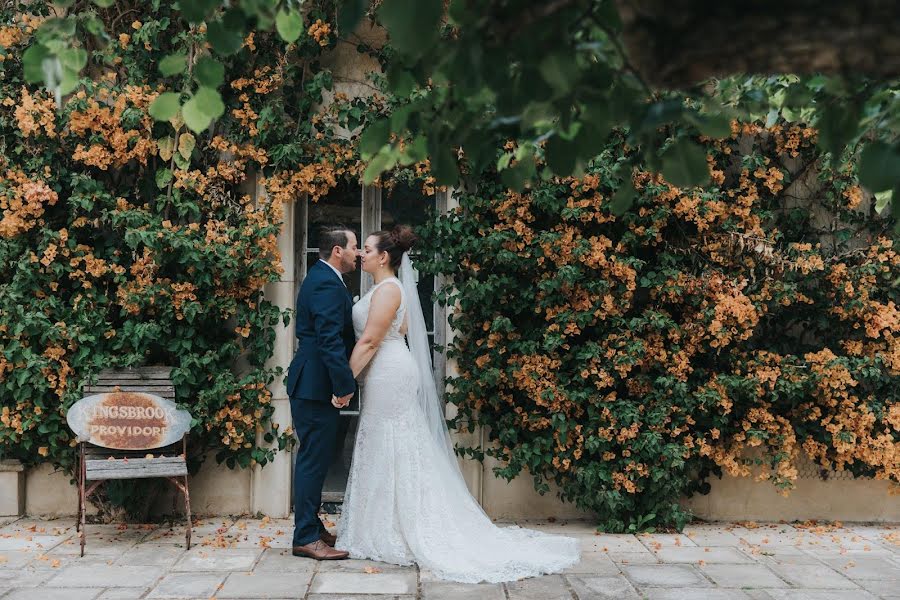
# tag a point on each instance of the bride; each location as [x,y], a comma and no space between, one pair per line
[406,500]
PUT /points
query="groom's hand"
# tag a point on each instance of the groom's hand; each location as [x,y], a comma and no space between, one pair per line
[342,401]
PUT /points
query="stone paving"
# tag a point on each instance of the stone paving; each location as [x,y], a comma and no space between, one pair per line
[250,558]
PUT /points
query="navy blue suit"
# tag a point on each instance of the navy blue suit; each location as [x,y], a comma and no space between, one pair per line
[320,369]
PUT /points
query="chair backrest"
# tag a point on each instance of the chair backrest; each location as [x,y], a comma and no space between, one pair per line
[152,380]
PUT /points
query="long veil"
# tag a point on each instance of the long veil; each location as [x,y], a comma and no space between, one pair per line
[417,338]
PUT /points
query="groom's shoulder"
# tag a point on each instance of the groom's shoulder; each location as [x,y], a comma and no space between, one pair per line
[318,277]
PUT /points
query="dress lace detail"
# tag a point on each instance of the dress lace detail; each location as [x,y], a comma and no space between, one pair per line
[404,504]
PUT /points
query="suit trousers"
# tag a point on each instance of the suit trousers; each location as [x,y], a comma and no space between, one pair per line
[316,424]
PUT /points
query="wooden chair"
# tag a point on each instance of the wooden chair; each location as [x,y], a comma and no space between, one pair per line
[97,463]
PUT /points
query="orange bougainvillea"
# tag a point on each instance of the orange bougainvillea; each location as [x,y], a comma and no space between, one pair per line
[715,330]
[125,240]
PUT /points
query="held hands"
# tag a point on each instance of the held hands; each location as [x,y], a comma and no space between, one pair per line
[341,401]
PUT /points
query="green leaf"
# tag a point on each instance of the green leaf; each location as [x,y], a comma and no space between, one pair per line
[715,126]
[560,155]
[33,62]
[209,72]
[684,164]
[289,24]
[104,3]
[374,138]
[838,124]
[196,11]
[173,64]
[443,165]
[401,81]
[623,198]
[882,200]
[224,41]
[68,82]
[590,141]
[350,14]
[412,24]
[879,166]
[209,101]
[414,151]
[560,70]
[165,106]
[163,177]
[73,59]
[376,167]
[166,146]
[186,145]
[194,116]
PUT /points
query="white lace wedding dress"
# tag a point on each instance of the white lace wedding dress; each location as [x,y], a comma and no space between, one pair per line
[406,502]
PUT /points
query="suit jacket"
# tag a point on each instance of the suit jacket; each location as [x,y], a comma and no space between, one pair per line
[324,327]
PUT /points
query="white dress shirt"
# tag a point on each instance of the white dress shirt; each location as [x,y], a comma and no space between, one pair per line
[336,272]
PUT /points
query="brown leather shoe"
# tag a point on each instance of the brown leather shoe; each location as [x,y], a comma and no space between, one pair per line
[319,550]
[328,538]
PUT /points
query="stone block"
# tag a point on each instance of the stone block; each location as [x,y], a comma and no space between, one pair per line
[265,585]
[12,488]
[188,585]
[739,576]
[448,590]
[364,583]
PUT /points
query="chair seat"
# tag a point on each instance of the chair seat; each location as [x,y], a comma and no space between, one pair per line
[135,468]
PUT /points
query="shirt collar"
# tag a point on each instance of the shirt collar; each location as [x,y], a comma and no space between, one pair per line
[336,272]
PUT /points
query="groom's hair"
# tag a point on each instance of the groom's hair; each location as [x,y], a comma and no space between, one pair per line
[331,236]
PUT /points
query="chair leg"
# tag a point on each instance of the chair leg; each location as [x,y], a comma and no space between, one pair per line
[187,509]
[78,484]
[81,503]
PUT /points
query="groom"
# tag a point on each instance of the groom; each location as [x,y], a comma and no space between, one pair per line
[319,371]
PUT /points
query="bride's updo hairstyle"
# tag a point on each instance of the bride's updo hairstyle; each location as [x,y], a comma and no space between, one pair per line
[395,242]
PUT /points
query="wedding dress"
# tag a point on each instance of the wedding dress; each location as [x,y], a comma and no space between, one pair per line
[406,500]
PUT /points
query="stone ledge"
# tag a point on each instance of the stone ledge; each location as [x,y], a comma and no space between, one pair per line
[12,488]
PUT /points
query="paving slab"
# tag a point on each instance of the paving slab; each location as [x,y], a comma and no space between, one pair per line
[739,576]
[699,555]
[602,588]
[548,587]
[693,594]
[99,547]
[54,594]
[449,590]
[123,594]
[354,565]
[883,588]
[611,543]
[162,555]
[217,559]
[188,585]
[364,583]
[105,575]
[813,576]
[27,577]
[819,595]
[597,563]
[283,561]
[633,558]
[265,585]
[863,566]
[13,559]
[705,535]
[34,543]
[657,541]
[665,576]
[359,597]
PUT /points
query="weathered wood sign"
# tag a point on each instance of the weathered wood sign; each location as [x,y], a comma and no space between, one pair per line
[128,420]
